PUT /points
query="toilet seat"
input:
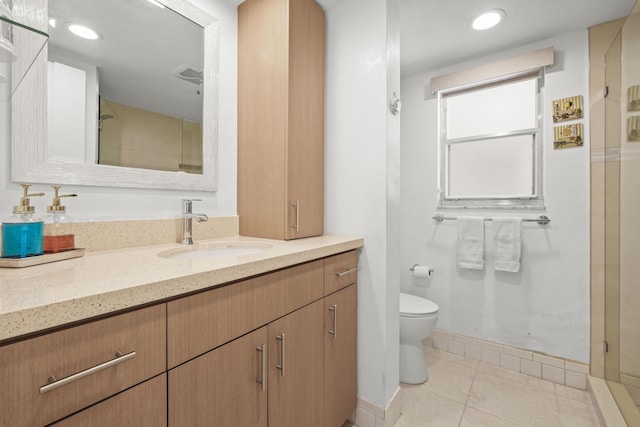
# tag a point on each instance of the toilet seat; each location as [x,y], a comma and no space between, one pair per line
[414,306]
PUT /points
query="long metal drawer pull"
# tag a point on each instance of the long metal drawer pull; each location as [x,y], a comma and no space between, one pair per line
[334,331]
[262,379]
[281,338]
[56,383]
[344,273]
[297,206]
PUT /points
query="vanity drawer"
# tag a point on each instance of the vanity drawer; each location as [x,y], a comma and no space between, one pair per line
[84,362]
[201,322]
[142,405]
[340,270]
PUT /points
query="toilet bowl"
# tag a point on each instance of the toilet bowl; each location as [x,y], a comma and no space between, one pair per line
[418,317]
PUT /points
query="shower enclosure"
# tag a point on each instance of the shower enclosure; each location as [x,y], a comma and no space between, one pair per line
[622,218]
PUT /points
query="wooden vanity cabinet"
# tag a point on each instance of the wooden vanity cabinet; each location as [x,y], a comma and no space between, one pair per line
[89,362]
[340,338]
[281,62]
[274,350]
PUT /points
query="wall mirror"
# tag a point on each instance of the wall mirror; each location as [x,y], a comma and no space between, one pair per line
[135,108]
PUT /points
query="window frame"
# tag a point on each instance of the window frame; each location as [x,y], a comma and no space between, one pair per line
[536,200]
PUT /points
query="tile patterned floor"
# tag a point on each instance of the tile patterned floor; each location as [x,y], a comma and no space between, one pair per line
[468,393]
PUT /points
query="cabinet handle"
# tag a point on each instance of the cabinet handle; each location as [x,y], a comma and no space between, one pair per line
[297,224]
[56,383]
[280,366]
[344,273]
[334,331]
[262,379]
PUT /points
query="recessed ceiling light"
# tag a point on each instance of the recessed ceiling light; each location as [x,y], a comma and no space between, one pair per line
[84,32]
[52,22]
[488,19]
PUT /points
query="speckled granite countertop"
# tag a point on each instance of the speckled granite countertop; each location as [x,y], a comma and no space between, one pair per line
[37,298]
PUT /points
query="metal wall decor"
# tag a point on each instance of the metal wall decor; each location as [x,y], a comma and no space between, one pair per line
[633,128]
[633,98]
[567,109]
[568,136]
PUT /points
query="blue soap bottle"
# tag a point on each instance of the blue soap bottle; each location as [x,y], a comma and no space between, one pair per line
[22,233]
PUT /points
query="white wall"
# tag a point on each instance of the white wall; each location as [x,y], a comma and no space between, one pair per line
[362,175]
[105,203]
[544,307]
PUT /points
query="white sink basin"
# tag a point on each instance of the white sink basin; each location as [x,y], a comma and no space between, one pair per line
[215,250]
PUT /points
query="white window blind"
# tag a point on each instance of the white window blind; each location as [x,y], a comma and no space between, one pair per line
[490,153]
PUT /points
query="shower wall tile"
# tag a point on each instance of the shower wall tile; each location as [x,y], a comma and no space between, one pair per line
[522,354]
[576,380]
[529,367]
[576,367]
[547,360]
[491,357]
[440,343]
[551,373]
[492,346]
[466,340]
[456,347]
[510,362]
[473,352]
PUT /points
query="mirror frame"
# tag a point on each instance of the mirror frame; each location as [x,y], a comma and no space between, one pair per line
[29,161]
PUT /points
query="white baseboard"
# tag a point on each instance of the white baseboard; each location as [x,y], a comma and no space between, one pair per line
[556,369]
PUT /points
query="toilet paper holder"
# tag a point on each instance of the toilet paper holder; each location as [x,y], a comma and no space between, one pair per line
[413,267]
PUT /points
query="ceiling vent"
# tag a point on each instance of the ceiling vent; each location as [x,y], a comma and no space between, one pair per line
[189,73]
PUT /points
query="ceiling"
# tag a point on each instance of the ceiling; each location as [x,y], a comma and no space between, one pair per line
[437,33]
[434,34]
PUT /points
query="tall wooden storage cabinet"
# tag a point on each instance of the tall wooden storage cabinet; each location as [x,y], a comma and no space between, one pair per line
[281,57]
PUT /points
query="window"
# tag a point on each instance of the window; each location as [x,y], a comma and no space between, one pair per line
[490,144]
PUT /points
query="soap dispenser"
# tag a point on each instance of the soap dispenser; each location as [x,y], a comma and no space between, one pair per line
[22,232]
[58,226]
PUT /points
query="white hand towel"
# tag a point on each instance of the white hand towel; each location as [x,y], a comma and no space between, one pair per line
[471,242]
[507,243]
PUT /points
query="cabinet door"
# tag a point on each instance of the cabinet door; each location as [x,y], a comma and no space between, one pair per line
[295,368]
[142,405]
[281,118]
[262,107]
[340,355]
[224,387]
[305,133]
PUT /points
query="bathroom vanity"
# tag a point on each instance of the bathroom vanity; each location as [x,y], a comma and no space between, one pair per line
[262,339]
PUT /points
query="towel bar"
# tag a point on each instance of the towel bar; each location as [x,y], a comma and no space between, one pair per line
[541,220]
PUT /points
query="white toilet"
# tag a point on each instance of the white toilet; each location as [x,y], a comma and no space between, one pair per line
[418,317]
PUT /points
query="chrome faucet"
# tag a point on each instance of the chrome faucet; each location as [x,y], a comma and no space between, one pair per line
[187,216]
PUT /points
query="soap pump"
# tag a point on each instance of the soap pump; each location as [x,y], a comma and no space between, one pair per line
[22,232]
[58,227]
